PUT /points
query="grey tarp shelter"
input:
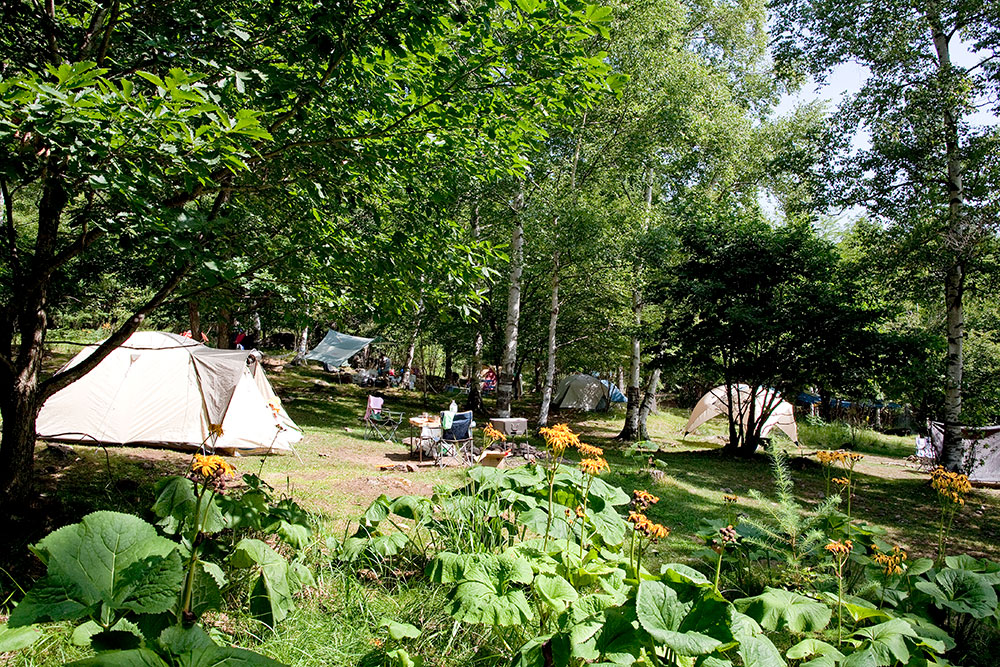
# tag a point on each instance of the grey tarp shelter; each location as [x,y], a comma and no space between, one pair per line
[336,348]
[981,451]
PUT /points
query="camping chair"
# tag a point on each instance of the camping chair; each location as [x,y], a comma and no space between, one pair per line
[380,424]
[456,440]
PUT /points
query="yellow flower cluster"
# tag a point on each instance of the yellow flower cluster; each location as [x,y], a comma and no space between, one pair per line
[594,466]
[892,562]
[493,435]
[729,500]
[559,437]
[215,429]
[843,481]
[643,525]
[210,466]
[951,486]
[643,499]
[840,548]
[829,458]
[590,450]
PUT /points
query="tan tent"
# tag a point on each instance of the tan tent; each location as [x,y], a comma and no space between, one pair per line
[168,390]
[716,402]
[581,392]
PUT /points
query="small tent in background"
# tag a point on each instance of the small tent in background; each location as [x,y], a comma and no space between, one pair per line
[163,389]
[582,392]
[980,446]
[614,393]
[716,402]
[336,348]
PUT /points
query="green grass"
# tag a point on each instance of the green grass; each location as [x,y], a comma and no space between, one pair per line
[337,623]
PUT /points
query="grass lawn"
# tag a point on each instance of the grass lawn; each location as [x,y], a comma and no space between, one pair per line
[338,476]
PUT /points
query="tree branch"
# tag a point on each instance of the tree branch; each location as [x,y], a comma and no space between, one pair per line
[60,380]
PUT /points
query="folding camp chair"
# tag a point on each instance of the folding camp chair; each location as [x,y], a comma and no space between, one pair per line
[456,440]
[380,423]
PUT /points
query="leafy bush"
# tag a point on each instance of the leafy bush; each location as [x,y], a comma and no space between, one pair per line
[137,592]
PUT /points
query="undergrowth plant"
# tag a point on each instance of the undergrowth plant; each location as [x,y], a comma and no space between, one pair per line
[137,591]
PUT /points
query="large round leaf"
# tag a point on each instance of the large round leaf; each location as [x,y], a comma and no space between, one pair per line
[692,627]
[776,608]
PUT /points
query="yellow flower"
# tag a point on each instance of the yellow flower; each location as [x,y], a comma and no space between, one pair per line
[594,466]
[215,429]
[951,486]
[656,531]
[643,499]
[891,563]
[559,437]
[493,435]
[730,499]
[590,450]
[210,466]
[843,481]
[638,520]
[840,548]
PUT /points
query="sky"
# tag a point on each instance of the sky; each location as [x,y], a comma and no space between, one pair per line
[846,80]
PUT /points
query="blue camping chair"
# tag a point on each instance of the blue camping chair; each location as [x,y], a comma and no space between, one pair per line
[457,439]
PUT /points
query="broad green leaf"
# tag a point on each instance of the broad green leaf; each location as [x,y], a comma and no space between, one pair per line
[618,641]
[887,641]
[820,653]
[14,639]
[962,591]
[776,608]
[688,627]
[400,658]
[399,631]
[109,558]
[271,598]
[554,591]
[755,648]
[177,504]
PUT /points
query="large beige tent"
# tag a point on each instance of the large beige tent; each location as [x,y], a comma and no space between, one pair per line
[582,392]
[168,390]
[716,402]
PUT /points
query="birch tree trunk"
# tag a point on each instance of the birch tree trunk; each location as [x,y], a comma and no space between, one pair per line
[957,237]
[505,387]
[550,368]
[474,401]
[648,402]
[411,348]
[301,346]
[630,431]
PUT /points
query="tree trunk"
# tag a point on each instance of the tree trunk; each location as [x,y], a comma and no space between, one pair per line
[301,347]
[952,451]
[258,330]
[194,317]
[958,237]
[225,335]
[620,377]
[550,368]
[475,399]
[411,348]
[19,408]
[449,362]
[648,403]
[630,431]
[505,387]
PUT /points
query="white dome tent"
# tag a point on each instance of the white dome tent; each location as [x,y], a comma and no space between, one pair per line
[166,390]
[716,402]
[582,392]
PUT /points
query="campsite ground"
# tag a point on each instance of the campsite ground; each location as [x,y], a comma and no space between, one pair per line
[337,475]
